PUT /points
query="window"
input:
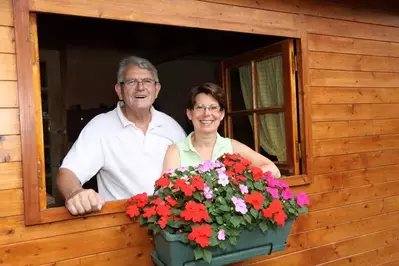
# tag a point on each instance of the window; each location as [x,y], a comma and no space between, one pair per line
[262,103]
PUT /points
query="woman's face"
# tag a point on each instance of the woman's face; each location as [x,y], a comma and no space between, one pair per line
[206,115]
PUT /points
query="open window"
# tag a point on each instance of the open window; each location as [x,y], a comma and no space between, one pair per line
[262,103]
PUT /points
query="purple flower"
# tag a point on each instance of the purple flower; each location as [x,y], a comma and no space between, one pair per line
[302,199]
[273,192]
[221,170]
[239,205]
[272,182]
[183,169]
[221,235]
[243,189]
[223,180]
[208,192]
[287,194]
[208,165]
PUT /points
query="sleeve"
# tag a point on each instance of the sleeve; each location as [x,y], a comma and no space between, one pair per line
[86,156]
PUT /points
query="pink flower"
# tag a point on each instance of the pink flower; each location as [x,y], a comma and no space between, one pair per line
[273,192]
[302,199]
[240,205]
[287,194]
[243,189]
[207,192]
[272,182]
[221,235]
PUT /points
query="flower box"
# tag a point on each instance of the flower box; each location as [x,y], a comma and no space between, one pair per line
[171,251]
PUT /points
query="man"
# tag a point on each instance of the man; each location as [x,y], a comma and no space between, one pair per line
[124,147]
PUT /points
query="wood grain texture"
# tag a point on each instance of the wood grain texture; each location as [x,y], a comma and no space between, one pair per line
[328,147]
[342,112]
[7,67]
[370,176]
[7,41]
[14,206]
[335,61]
[325,43]
[10,175]
[9,121]
[6,18]
[9,94]
[179,12]
[329,164]
[334,95]
[10,148]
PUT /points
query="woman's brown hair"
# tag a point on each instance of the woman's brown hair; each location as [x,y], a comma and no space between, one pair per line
[208,88]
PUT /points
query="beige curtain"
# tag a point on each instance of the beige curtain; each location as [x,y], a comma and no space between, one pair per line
[271,94]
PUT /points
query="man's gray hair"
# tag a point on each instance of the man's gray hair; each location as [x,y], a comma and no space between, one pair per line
[136,61]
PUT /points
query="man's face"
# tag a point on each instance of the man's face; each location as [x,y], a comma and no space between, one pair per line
[139,90]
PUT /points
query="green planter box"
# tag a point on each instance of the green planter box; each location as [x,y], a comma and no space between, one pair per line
[170,251]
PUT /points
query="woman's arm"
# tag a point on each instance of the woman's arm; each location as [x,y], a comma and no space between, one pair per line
[257,159]
[172,158]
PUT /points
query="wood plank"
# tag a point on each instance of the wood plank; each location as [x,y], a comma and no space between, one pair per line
[326,147]
[340,112]
[8,70]
[334,95]
[7,42]
[331,251]
[340,215]
[15,230]
[9,121]
[351,29]
[10,148]
[10,175]
[9,94]
[372,257]
[356,128]
[63,247]
[6,18]
[140,255]
[321,183]
[390,263]
[334,78]
[324,43]
[331,164]
[179,12]
[14,200]
[337,61]
[369,176]
[348,196]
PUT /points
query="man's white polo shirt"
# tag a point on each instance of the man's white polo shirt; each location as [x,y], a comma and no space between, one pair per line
[126,161]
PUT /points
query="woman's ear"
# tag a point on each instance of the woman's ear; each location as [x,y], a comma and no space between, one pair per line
[222,115]
[189,114]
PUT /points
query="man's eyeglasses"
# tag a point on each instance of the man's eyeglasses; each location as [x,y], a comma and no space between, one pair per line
[133,83]
[201,108]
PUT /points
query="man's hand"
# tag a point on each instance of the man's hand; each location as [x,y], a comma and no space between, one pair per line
[84,201]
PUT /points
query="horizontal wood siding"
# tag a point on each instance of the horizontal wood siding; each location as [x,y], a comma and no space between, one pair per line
[353,56]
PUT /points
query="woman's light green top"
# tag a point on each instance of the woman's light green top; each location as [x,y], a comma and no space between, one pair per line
[190,157]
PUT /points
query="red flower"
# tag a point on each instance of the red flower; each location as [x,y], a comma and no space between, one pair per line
[163,222]
[201,234]
[256,199]
[276,206]
[267,213]
[229,174]
[184,187]
[239,168]
[141,199]
[133,210]
[197,182]
[172,202]
[280,218]
[162,182]
[195,212]
[163,210]
[156,201]
[245,162]
[256,173]
[148,212]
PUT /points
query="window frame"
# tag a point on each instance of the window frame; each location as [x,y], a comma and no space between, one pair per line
[23,10]
[285,49]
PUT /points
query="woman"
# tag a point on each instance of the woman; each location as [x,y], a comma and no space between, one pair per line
[206,109]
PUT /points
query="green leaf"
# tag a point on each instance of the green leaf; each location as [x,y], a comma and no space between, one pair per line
[219,220]
[208,204]
[142,220]
[234,232]
[222,201]
[259,186]
[247,218]
[167,191]
[213,241]
[249,184]
[263,226]
[254,213]
[175,212]
[152,219]
[198,253]
[197,196]
[233,240]
[304,209]
[224,208]
[235,221]
[222,245]
[207,255]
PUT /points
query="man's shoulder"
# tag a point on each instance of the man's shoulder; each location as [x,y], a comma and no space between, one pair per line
[105,120]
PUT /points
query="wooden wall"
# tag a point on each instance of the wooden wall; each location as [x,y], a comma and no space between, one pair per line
[351,58]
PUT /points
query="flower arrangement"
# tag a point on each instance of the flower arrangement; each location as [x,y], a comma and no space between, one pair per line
[213,202]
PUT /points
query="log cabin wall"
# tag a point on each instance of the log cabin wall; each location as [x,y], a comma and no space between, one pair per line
[351,64]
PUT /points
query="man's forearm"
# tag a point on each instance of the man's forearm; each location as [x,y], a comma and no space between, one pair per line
[67,182]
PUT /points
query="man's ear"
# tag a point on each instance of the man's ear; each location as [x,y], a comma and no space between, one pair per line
[118,90]
[157,89]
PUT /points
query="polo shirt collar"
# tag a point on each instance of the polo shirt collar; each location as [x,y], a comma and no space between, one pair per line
[156,119]
[188,145]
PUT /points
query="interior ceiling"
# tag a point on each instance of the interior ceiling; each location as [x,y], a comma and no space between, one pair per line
[163,42]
